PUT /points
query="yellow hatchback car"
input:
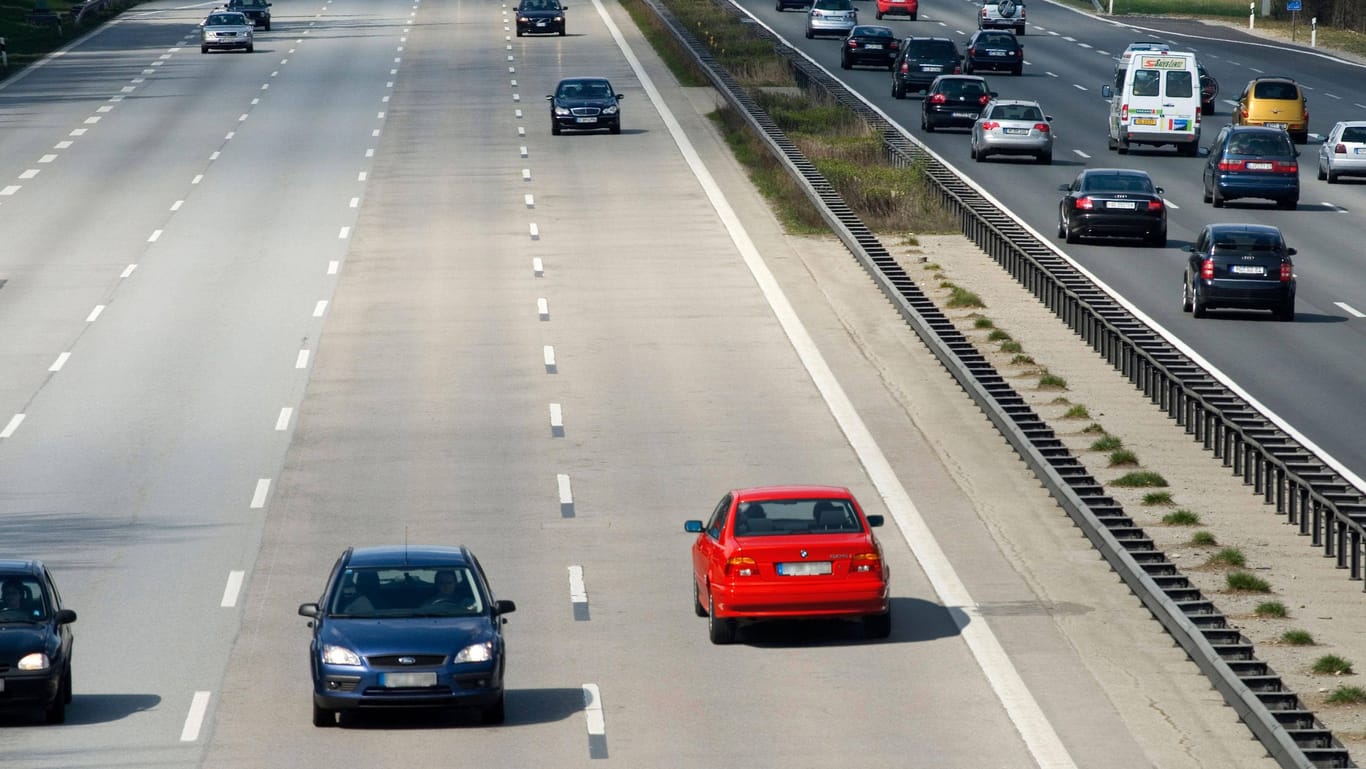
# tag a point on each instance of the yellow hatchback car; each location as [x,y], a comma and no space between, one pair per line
[1275,102]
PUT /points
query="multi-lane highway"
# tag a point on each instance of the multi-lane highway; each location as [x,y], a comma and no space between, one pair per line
[349,290]
[1297,371]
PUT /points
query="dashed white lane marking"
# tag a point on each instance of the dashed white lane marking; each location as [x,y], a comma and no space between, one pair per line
[93,119]
[1359,104]
[282,421]
[1081,154]
[517,114]
[556,416]
[1085,45]
[344,233]
[128,270]
[1350,309]
[61,361]
[370,152]
[231,589]
[258,497]
[333,266]
[379,115]
[301,360]
[1051,74]
[578,592]
[94,314]
[1332,96]
[47,158]
[522,151]
[355,203]
[197,179]
[213,155]
[566,494]
[12,425]
[534,231]
[526,174]
[530,201]
[195,718]
[360,177]
[320,308]
[537,267]
[1080,87]
[543,308]
[516,97]
[597,725]
[78,132]
[176,205]
[227,137]
[11,189]
[63,145]
[104,108]
[1069,39]
[154,237]
[521,131]
[548,353]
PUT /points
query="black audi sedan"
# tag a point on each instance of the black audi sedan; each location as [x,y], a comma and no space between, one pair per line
[35,641]
[407,626]
[1113,202]
[922,59]
[1242,266]
[869,46]
[584,104]
[954,101]
[540,16]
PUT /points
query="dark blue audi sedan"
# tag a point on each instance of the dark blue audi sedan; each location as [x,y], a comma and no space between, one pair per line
[35,641]
[407,627]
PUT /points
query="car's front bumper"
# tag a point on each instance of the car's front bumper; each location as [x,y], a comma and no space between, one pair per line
[29,690]
[342,688]
[538,26]
[588,123]
[227,43]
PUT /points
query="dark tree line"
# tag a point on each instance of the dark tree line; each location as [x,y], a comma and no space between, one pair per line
[1343,14]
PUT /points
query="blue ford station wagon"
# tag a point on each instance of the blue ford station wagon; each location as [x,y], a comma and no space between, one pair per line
[407,627]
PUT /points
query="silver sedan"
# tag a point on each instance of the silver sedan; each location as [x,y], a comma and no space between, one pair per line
[1013,127]
[1343,152]
[226,30]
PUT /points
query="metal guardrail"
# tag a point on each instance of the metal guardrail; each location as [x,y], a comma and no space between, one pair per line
[1267,459]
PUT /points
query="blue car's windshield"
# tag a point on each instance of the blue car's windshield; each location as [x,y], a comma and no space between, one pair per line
[407,592]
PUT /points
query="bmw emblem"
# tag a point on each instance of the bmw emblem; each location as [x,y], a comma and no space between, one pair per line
[803,553]
[407,661]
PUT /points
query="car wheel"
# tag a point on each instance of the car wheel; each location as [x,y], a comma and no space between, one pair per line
[809,35]
[1191,150]
[519,33]
[778,6]
[1208,109]
[1332,177]
[844,62]
[913,17]
[1289,204]
[877,625]
[898,90]
[66,685]
[1071,236]
[722,631]
[878,15]
[1046,158]
[1186,303]
[1122,144]
[1216,199]
[1019,31]
[1322,174]
[251,49]
[56,712]
[554,128]
[1158,239]
[322,717]
[562,31]
[1286,312]
[1062,225]
[1017,71]
[697,606]
[203,49]
[1205,195]
[967,67]
[267,27]
[616,128]
[495,713]
[1198,307]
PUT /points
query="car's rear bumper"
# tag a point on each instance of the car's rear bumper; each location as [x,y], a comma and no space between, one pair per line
[1245,294]
[948,118]
[892,9]
[829,27]
[1117,226]
[1270,187]
[1161,137]
[1348,165]
[818,599]
[1015,145]
[995,63]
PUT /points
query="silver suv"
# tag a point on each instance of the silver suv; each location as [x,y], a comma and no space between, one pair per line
[1002,14]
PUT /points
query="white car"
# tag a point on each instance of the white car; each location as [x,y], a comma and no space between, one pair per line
[1343,152]
[226,30]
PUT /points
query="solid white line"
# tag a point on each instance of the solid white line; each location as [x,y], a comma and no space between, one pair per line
[543,307]
[13,425]
[258,497]
[320,308]
[195,719]
[231,589]
[592,710]
[556,415]
[61,361]
[1350,309]
[537,267]
[95,313]
[577,592]
[566,493]
[282,422]
[1037,733]
[549,352]
[530,201]
[302,360]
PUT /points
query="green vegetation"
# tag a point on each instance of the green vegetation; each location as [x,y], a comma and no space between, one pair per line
[1181,518]
[961,297]
[1332,664]
[1076,412]
[1123,458]
[1022,360]
[1093,428]
[1270,609]
[1153,498]
[1051,381]
[1244,582]
[1108,443]
[1011,347]
[1347,695]
[1229,556]
[1297,638]
[998,335]
[1140,479]
[983,322]
[1203,539]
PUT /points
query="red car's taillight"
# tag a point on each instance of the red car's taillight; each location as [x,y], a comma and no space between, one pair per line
[1287,272]
[741,566]
[1207,269]
[865,563]
[1155,205]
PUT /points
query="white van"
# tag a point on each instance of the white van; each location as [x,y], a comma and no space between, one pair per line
[1158,102]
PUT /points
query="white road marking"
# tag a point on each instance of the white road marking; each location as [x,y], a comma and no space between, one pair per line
[537,267]
[242,118]
[1070,39]
[1359,104]
[197,179]
[1051,74]
[1170,204]
[1080,87]
[62,145]
[29,173]
[320,308]
[1350,309]
[333,266]
[228,136]
[535,231]
[344,233]
[154,237]
[11,189]
[13,425]
[543,308]
[1333,96]
[1085,45]
[379,115]
[94,314]
[195,718]
[517,114]
[512,70]
[1038,734]
[548,352]
[104,108]
[578,593]
[78,132]
[556,416]
[566,495]
[1081,154]
[258,497]
[360,177]
[369,152]
[530,201]
[176,205]
[526,174]
[521,131]
[213,155]
[282,421]
[516,97]
[375,132]
[355,203]
[514,83]
[301,360]
[231,589]
[128,270]
[61,361]
[592,709]
[265,86]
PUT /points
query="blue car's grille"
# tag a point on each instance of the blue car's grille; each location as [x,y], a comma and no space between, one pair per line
[401,661]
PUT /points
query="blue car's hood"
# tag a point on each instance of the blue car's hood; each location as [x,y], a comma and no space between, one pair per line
[426,635]
[18,639]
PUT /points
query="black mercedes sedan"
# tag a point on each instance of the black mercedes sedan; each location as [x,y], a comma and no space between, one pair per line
[584,104]
[540,16]
[869,46]
[35,641]
[1113,202]
[1242,266]
[407,626]
[954,101]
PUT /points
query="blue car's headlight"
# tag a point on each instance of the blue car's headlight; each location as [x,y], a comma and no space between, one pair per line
[340,655]
[480,652]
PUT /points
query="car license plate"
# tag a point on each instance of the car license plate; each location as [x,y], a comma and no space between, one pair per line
[938,68]
[406,680]
[541,23]
[965,114]
[585,120]
[1359,151]
[1255,166]
[1125,204]
[1017,130]
[1247,269]
[803,568]
[875,46]
[996,53]
[1275,125]
[1145,121]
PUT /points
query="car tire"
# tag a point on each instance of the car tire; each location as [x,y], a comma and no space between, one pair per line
[722,631]
[878,15]
[519,33]
[203,49]
[562,31]
[1300,137]
[323,718]
[1198,308]
[554,128]
[1017,71]
[697,606]
[494,714]
[616,128]
[1062,225]
[1208,110]
[1322,174]
[778,6]
[267,26]
[1019,31]
[1206,195]
[877,625]
[1046,158]
[1122,144]
[56,712]
[898,91]
[1289,204]
[967,66]
[913,17]
[1191,149]
[251,49]
[1216,199]
[1071,236]
[1186,303]
[1330,176]
[1158,239]
[809,35]
[1286,312]
[844,62]
[66,685]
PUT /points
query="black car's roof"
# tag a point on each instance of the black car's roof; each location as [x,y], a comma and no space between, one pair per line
[408,555]
[1114,172]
